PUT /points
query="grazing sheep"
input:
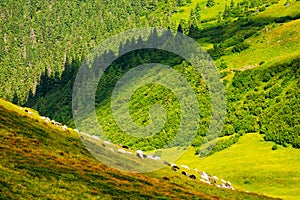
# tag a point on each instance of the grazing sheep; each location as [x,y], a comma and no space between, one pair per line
[184,166]
[175,167]
[204,176]
[192,176]
[196,170]
[153,157]
[64,127]
[107,142]
[184,173]
[111,149]
[30,113]
[140,154]
[47,120]
[212,180]
[122,151]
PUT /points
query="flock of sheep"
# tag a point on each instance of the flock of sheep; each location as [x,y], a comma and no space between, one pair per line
[204,177]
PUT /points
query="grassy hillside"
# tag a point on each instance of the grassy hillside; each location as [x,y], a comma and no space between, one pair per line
[251,165]
[39,160]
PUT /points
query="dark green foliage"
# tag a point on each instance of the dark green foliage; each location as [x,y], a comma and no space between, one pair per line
[218,146]
[272,105]
[210,3]
[41,36]
[240,47]
[274,147]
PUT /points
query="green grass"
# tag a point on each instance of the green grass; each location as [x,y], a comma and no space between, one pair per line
[206,13]
[280,43]
[251,165]
[40,161]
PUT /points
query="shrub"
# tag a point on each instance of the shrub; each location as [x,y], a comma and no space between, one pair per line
[274,147]
[240,47]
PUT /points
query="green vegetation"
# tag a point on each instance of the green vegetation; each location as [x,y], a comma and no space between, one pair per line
[250,69]
[39,160]
[255,45]
[251,165]
[39,36]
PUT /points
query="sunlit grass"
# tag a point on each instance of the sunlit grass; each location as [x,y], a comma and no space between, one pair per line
[251,165]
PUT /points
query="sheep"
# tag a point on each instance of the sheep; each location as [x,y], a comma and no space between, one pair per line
[140,154]
[212,180]
[184,173]
[184,166]
[121,151]
[57,124]
[76,130]
[153,157]
[107,142]
[175,167]
[111,149]
[204,176]
[64,127]
[192,176]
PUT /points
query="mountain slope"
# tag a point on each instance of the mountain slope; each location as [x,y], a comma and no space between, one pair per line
[255,165]
[39,160]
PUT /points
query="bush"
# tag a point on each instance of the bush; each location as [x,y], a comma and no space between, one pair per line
[274,147]
[240,47]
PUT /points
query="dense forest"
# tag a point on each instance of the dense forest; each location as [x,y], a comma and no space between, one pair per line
[39,36]
[46,43]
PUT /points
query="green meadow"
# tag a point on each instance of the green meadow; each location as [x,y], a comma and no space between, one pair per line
[250,165]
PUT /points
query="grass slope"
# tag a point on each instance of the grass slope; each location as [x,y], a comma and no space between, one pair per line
[40,161]
[252,165]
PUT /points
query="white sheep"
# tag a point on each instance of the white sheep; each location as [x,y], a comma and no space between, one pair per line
[184,166]
[122,151]
[64,127]
[140,154]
